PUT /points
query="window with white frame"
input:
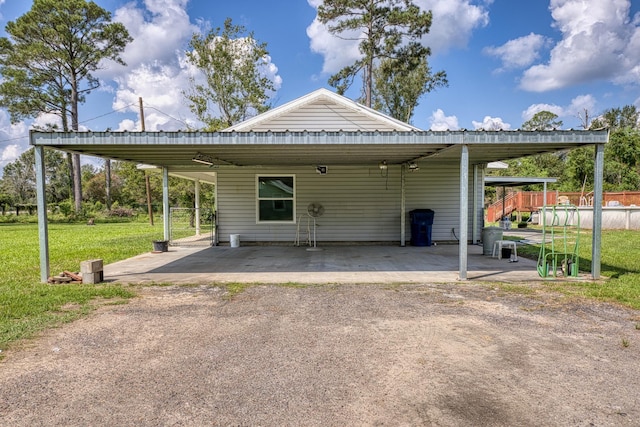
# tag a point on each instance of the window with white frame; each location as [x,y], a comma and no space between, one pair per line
[276,198]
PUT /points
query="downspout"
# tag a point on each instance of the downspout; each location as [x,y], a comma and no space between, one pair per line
[403,208]
[464,212]
[596,243]
[43,231]
[197,206]
[474,236]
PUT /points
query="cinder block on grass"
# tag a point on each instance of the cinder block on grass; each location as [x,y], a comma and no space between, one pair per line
[91,266]
[92,271]
[92,278]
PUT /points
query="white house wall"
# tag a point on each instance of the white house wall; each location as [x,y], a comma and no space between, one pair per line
[361,203]
[435,186]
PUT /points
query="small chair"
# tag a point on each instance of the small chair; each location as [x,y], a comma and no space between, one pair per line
[499,244]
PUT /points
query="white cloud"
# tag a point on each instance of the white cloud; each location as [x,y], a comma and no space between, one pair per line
[157,69]
[15,136]
[160,86]
[599,42]
[453,22]
[158,31]
[10,153]
[518,53]
[581,103]
[46,121]
[337,52]
[536,108]
[452,25]
[440,122]
[575,110]
[491,123]
[128,125]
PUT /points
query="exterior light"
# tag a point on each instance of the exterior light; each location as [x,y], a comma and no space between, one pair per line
[203,159]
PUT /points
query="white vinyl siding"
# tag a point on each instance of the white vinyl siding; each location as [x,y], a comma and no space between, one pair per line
[360,203]
[319,116]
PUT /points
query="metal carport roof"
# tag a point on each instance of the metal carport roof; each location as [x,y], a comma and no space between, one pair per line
[177,149]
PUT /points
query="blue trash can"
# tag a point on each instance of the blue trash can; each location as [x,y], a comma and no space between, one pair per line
[421,224]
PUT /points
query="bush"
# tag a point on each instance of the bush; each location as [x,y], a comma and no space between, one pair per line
[121,212]
[65,208]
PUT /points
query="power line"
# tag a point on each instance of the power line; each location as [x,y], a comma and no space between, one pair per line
[14,139]
[107,114]
[168,115]
[82,122]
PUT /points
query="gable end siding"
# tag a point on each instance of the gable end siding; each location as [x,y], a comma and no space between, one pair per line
[319,117]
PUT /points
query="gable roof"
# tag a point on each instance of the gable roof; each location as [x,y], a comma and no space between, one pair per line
[321,110]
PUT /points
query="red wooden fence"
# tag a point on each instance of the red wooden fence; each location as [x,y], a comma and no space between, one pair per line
[531,201]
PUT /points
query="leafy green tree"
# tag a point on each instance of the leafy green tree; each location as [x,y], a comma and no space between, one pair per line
[542,120]
[132,184]
[621,154]
[48,60]
[618,118]
[96,190]
[385,29]
[235,86]
[5,201]
[19,177]
[398,86]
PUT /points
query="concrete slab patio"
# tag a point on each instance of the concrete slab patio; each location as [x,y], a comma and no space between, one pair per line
[331,264]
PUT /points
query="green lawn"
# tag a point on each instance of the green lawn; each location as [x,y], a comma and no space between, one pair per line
[620,255]
[28,306]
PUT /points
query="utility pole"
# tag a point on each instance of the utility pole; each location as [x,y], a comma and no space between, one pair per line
[146,174]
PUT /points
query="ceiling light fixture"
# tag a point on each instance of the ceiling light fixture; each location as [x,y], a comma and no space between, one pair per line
[203,159]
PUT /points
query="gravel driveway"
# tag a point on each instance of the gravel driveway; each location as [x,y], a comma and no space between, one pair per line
[444,355]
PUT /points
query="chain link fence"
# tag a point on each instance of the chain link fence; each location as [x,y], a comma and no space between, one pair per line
[186,230]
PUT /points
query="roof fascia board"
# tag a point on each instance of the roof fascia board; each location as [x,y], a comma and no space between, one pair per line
[320,138]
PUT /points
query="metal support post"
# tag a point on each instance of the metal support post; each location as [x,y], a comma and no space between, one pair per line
[403,212]
[596,244]
[464,211]
[43,230]
[197,206]
[165,201]
[476,211]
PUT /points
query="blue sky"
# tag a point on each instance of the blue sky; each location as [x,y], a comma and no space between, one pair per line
[505,60]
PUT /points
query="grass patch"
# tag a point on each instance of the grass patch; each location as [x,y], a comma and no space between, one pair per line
[517,289]
[234,289]
[619,255]
[28,306]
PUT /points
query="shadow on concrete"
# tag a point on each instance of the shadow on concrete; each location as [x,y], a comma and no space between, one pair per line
[330,264]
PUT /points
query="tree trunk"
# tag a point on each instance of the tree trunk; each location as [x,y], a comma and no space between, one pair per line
[70,173]
[77,171]
[107,184]
[77,183]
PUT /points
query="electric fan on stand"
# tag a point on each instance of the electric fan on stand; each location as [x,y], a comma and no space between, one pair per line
[314,210]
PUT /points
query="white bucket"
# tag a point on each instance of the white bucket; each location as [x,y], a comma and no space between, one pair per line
[234,240]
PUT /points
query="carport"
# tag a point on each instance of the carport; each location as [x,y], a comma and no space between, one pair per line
[174,152]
